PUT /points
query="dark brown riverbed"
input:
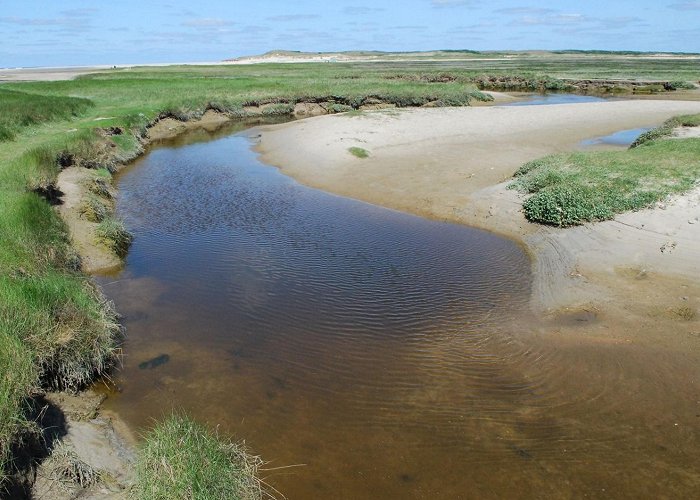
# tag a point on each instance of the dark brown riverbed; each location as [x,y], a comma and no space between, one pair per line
[368,353]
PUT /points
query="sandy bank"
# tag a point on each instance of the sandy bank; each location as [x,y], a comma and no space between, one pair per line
[452,164]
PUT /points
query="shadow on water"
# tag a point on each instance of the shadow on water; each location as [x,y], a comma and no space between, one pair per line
[387,353]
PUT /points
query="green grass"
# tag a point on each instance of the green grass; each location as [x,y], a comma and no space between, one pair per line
[115,235]
[182,460]
[20,109]
[666,129]
[573,188]
[55,328]
[359,152]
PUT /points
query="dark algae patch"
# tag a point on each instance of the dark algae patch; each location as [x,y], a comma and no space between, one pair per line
[154,362]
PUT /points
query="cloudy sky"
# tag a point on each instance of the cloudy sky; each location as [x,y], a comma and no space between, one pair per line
[75,32]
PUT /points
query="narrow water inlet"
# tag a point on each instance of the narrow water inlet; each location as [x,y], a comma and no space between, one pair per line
[387,355]
[555,98]
[620,138]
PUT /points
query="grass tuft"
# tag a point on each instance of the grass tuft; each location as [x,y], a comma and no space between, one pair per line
[94,208]
[666,129]
[114,234]
[181,459]
[359,152]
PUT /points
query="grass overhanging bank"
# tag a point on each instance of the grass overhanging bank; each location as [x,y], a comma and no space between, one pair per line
[181,460]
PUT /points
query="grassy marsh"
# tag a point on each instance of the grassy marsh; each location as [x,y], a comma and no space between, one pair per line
[574,188]
[57,331]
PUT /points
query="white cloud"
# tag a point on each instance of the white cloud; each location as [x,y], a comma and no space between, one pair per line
[524,11]
[361,10]
[550,20]
[685,6]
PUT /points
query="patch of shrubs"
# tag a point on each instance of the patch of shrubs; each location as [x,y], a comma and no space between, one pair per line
[566,205]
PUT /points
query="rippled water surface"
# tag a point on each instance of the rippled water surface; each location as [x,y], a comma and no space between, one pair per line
[381,354]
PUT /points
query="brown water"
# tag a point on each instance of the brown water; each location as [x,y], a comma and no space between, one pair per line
[382,353]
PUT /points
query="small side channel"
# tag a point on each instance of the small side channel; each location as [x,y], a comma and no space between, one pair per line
[623,138]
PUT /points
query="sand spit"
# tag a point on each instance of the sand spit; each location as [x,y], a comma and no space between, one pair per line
[454,164]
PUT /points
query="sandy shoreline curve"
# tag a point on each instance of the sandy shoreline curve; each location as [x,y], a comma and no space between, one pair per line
[454,164]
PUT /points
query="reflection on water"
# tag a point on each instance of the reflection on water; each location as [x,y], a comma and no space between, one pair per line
[621,138]
[554,98]
[383,353]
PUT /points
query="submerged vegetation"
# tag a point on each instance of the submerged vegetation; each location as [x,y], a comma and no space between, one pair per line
[57,331]
[573,188]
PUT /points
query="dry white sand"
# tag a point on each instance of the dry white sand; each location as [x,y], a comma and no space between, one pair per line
[453,164]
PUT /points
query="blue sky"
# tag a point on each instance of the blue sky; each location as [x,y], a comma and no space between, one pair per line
[75,32]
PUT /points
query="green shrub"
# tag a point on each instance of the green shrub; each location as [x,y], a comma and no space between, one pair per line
[100,185]
[279,109]
[338,108]
[94,209]
[680,85]
[666,129]
[566,205]
[574,188]
[649,89]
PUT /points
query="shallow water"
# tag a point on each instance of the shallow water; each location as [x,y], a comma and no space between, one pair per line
[555,98]
[380,355]
[621,138]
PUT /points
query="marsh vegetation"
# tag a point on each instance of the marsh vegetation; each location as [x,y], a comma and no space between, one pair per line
[58,331]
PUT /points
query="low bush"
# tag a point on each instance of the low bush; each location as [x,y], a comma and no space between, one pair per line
[94,209]
[680,85]
[573,188]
